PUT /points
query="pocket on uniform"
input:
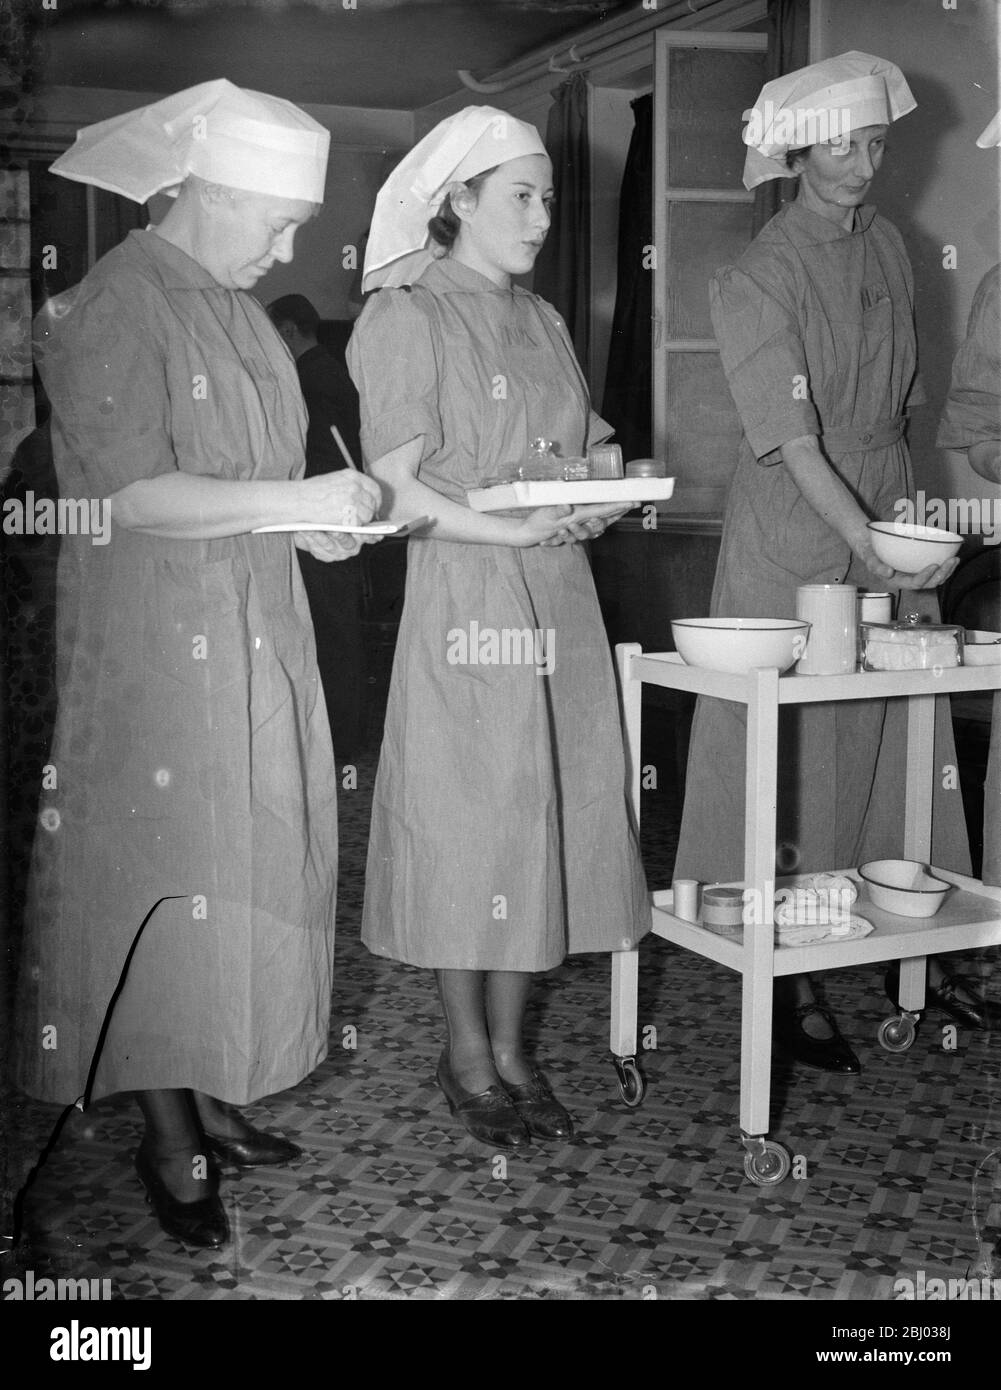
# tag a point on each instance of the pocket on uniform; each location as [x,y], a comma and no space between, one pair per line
[191,711]
[195,622]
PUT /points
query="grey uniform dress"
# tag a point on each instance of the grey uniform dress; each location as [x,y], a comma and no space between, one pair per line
[191,764]
[500,833]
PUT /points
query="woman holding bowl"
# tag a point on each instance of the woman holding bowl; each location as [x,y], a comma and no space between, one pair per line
[500,834]
[815,324]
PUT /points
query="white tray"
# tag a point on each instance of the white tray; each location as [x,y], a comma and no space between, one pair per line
[373,528]
[557,493]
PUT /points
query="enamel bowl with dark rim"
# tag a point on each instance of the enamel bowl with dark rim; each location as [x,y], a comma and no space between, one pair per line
[909,548]
[739,645]
[903,886]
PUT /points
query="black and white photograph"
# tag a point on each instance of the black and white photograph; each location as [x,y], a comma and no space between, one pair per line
[500,653]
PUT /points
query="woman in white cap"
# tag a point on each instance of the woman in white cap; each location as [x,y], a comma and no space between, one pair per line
[181,914]
[500,833]
[815,324]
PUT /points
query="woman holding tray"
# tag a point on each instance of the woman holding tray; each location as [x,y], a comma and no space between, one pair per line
[500,833]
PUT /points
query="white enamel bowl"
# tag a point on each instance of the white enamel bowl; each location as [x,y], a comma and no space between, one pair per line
[738,645]
[903,886]
[909,548]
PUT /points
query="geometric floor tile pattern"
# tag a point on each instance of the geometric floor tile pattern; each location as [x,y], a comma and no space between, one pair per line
[899,1170]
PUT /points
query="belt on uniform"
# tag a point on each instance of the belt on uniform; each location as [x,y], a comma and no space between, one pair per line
[875,436]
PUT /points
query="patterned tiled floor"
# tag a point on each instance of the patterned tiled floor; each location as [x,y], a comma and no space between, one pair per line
[895,1170]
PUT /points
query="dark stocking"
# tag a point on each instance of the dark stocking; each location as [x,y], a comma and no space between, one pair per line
[507,994]
[936,974]
[793,990]
[468,1045]
[220,1119]
[173,1142]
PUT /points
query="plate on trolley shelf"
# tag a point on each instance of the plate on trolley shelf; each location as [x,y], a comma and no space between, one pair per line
[555,493]
[852,929]
[372,528]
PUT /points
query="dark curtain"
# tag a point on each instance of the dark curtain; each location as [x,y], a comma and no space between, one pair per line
[788,49]
[114,218]
[627,402]
[59,222]
[563,267]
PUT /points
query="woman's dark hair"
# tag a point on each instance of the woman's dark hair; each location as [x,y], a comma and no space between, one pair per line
[444,226]
[793,155]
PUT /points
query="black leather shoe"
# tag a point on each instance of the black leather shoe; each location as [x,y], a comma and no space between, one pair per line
[489,1116]
[541,1112]
[254,1150]
[979,1014]
[195,1223]
[827,1054]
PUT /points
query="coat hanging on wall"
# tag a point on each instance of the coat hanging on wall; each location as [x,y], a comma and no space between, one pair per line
[627,402]
[563,267]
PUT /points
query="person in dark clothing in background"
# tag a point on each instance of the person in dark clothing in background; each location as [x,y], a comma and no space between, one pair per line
[335,600]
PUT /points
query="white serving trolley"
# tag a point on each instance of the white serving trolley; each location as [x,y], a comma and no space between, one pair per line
[969,918]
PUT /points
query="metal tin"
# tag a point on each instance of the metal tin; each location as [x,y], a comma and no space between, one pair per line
[832,612]
[723,910]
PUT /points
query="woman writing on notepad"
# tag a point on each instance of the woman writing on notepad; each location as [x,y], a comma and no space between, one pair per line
[180,924]
[500,833]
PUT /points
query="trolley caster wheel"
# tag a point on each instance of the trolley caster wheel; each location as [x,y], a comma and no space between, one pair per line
[632,1083]
[768,1165]
[897,1034]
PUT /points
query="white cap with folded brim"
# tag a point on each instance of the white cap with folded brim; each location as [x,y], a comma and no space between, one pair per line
[473,140]
[991,135]
[819,103]
[246,140]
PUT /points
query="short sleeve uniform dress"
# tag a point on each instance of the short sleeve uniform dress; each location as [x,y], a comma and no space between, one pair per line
[972,415]
[191,765]
[816,332]
[500,836]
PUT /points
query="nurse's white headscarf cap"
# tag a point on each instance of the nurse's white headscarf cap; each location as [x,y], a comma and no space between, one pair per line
[991,136]
[819,103]
[222,133]
[459,147]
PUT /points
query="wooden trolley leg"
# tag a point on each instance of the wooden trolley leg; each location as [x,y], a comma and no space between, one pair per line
[918,796]
[759,876]
[625,964]
[765,1162]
